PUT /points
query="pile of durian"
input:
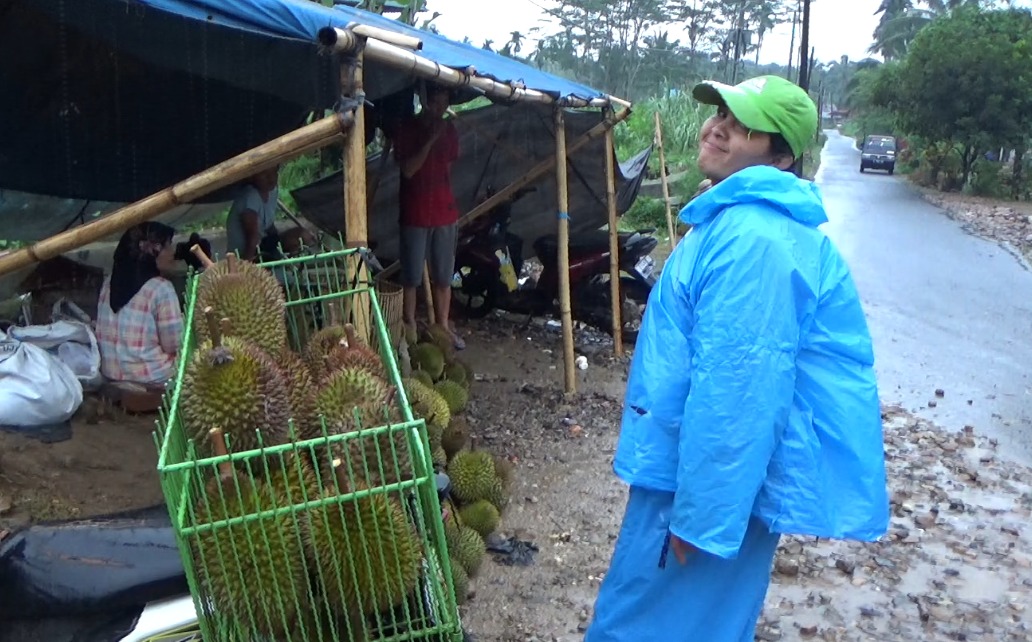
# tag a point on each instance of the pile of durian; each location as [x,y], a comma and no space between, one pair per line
[245,388]
[438,390]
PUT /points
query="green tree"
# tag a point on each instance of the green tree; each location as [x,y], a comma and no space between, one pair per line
[967,81]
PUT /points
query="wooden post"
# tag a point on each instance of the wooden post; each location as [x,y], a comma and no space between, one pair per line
[562,189]
[428,292]
[355,209]
[666,186]
[614,246]
[319,134]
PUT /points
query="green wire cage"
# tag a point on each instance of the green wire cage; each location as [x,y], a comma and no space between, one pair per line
[336,537]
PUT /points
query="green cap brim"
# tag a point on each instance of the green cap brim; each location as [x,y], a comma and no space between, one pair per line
[742,104]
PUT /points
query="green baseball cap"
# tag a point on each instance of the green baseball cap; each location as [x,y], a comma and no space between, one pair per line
[769,104]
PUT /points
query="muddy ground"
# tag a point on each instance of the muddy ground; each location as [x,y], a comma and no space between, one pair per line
[956,565]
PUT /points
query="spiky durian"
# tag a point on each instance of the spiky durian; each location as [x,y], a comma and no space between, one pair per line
[301,391]
[460,580]
[243,566]
[497,494]
[352,352]
[377,552]
[455,436]
[469,549]
[383,458]
[439,336]
[423,377]
[250,297]
[472,473]
[481,516]
[454,394]
[427,357]
[455,372]
[232,385]
[440,457]
[427,403]
[319,347]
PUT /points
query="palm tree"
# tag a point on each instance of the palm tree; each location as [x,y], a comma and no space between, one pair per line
[902,19]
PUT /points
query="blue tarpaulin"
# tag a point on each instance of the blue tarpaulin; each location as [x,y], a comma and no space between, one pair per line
[113,100]
[302,19]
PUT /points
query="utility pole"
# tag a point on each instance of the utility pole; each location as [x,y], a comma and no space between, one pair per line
[804,66]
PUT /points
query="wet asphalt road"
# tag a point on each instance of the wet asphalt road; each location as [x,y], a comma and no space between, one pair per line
[947,310]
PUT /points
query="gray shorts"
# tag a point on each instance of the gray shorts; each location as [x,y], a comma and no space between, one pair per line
[435,245]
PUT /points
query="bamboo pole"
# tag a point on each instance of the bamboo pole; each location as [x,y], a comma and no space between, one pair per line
[355,209]
[562,189]
[614,246]
[533,174]
[663,180]
[319,134]
[343,40]
[386,35]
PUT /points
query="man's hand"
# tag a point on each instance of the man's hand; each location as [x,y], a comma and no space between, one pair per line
[682,549]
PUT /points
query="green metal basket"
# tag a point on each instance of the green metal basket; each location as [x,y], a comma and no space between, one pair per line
[285,546]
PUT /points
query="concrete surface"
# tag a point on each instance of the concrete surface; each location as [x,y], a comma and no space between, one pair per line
[947,310]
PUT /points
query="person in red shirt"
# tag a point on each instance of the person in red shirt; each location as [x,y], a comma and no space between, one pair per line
[425,146]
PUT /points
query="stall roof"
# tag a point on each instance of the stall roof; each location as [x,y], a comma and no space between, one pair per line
[112,100]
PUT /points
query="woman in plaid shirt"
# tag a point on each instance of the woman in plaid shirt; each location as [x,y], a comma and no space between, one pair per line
[139,319]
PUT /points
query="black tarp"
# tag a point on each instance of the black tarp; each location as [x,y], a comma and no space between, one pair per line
[498,145]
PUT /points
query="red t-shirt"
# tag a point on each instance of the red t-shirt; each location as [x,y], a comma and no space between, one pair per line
[426,199]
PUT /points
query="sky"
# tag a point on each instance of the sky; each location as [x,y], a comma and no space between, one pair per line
[837,27]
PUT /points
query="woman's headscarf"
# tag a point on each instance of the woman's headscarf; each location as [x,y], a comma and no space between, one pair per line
[135,265]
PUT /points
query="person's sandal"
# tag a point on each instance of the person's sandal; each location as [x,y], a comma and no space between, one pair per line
[457,340]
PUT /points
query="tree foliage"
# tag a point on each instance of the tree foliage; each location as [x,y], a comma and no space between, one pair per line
[968,80]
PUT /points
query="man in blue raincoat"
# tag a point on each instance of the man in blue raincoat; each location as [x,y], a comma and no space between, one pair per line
[751,408]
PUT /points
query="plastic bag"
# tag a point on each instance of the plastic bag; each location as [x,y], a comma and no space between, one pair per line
[70,339]
[36,388]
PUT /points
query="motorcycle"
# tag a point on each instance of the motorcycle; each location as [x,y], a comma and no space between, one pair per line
[489,257]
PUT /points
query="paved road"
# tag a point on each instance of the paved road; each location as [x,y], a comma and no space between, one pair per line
[947,310]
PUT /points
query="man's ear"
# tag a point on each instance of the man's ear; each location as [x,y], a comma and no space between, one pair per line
[783,162]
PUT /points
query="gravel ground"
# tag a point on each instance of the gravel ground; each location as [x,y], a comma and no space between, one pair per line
[1006,222]
[954,566]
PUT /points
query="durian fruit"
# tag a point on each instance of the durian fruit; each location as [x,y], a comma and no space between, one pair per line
[454,394]
[302,390]
[319,346]
[372,545]
[455,372]
[469,371]
[250,297]
[427,403]
[427,357]
[481,516]
[423,377]
[469,549]
[233,385]
[351,388]
[504,470]
[455,436]
[460,580]
[439,336]
[497,494]
[435,434]
[241,565]
[472,473]
[351,352]
[440,457]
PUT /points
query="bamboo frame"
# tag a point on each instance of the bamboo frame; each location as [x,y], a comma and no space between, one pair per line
[356,219]
[533,174]
[337,40]
[614,247]
[663,180]
[386,35]
[565,308]
[310,137]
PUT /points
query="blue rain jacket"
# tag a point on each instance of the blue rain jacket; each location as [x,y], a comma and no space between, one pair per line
[752,389]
